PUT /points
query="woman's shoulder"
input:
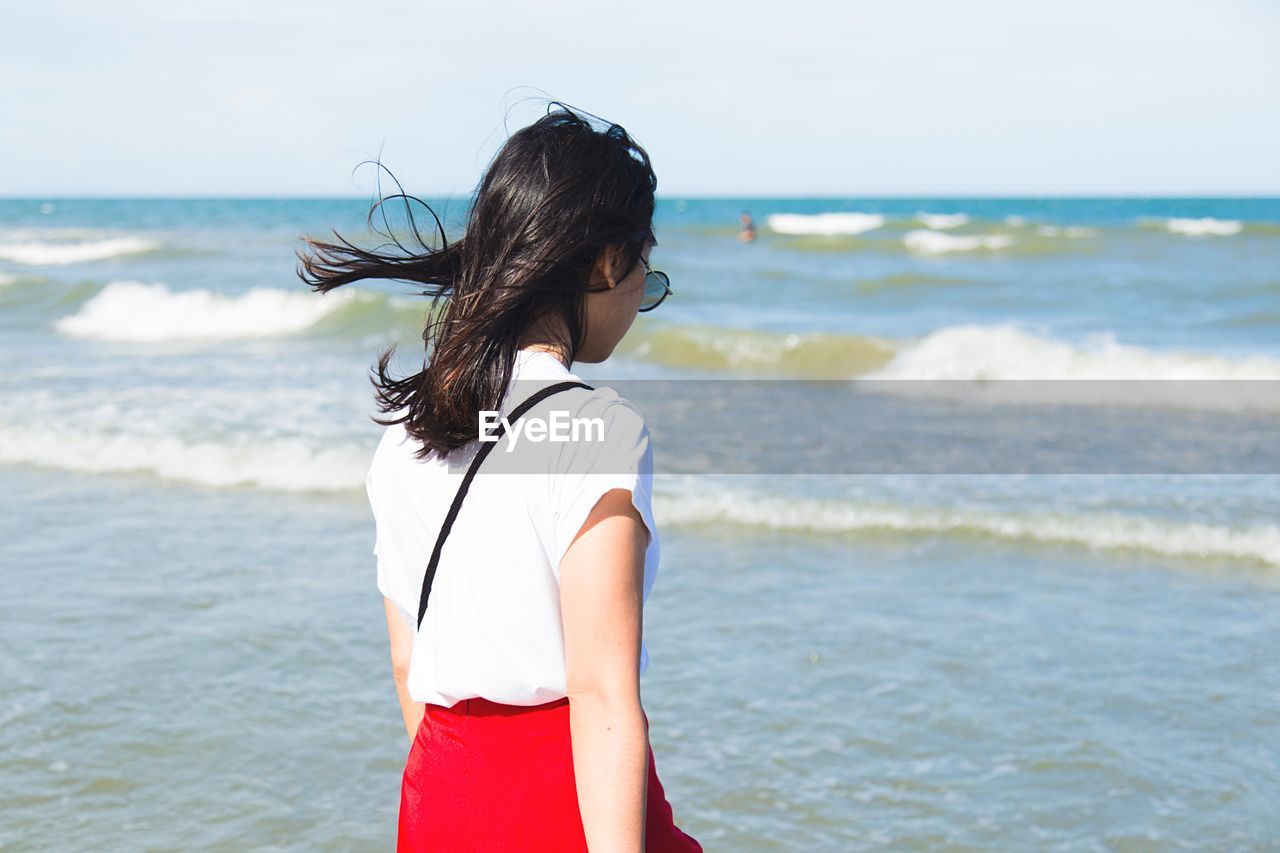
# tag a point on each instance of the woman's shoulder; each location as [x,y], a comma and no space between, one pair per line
[397,447]
[601,432]
[393,434]
[620,420]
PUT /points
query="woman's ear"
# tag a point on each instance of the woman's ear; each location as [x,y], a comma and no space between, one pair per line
[607,263]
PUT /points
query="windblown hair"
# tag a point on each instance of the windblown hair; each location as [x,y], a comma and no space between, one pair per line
[558,193]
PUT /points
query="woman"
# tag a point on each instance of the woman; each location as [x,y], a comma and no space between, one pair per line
[514,602]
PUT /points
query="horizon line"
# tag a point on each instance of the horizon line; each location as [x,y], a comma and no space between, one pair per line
[680,197]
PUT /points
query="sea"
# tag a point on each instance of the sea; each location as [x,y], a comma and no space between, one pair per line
[969,516]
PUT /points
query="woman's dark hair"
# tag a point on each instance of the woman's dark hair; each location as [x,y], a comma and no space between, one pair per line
[557,194]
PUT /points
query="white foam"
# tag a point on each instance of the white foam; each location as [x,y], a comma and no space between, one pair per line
[830,224]
[1007,351]
[276,464]
[1015,221]
[1072,231]
[7,279]
[936,243]
[1205,226]
[409,303]
[942,221]
[64,233]
[135,311]
[1096,531]
[43,253]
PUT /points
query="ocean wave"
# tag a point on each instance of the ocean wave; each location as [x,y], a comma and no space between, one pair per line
[935,242]
[311,465]
[965,352]
[1207,226]
[293,465]
[1073,232]
[976,230]
[1095,531]
[138,312]
[812,355]
[831,224]
[17,235]
[942,221]
[46,253]
[1007,351]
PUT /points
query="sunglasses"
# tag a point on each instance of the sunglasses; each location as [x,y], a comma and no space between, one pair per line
[657,287]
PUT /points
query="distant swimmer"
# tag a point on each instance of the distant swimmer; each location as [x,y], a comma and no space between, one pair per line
[748,230]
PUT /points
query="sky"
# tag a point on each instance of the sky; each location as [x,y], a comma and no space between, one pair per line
[803,98]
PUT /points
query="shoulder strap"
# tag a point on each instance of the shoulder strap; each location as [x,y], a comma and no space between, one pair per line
[485,448]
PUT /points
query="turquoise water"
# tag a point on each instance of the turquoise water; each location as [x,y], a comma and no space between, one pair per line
[1069,660]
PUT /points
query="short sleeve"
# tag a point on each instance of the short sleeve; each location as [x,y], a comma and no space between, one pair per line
[386,572]
[379,547]
[621,458]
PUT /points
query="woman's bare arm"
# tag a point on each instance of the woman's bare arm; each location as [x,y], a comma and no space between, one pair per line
[401,637]
[601,597]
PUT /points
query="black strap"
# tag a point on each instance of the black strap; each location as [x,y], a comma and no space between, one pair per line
[485,449]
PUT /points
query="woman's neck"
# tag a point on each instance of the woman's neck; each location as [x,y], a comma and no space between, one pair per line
[551,349]
[548,336]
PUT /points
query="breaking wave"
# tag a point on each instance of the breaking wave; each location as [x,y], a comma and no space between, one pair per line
[824,223]
[814,354]
[50,253]
[273,464]
[1205,227]
[1100,531]
[1008,351]
[333,466]
[942,221]
[937,243]
[139,312]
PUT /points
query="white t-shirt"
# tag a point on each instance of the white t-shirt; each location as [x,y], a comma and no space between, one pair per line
[493,627]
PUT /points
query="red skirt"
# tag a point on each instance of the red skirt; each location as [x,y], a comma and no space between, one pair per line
[486,776]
